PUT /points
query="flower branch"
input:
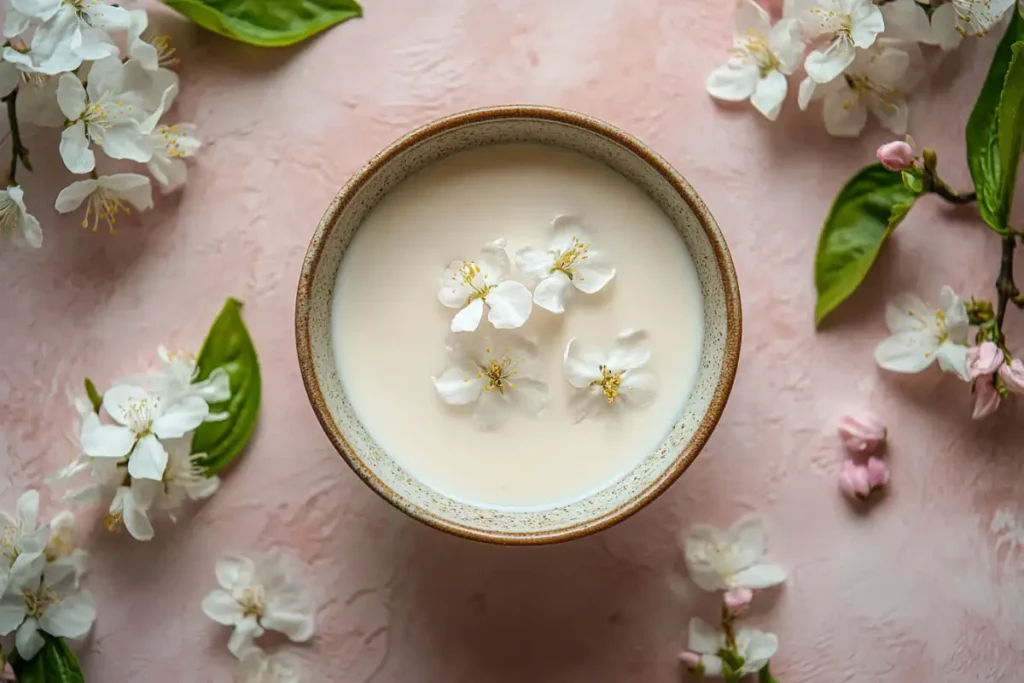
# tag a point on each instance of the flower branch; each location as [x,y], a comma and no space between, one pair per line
[18,150]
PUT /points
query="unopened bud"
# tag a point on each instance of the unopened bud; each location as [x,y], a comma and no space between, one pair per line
[1012,374]
[878,473]
[854,480]
[737,601]
[690,659]
[984,359]
[861,432]
[986,398]
[896,155]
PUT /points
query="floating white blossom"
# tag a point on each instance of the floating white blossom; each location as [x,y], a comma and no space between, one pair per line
[495,375]
[568,262]
[609,378]
[468,285]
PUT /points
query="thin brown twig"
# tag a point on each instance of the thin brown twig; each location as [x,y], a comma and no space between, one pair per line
[18,150]
[1006,289]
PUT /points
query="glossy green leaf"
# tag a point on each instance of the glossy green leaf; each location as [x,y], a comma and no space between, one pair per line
[229,346]
[55,663]
[864,214]
[765,675]
[984,154]
[1011,127]
[94,396]
[267,23]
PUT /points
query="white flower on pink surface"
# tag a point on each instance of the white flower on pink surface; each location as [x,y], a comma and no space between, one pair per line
[16,223]
[861,432]
[763,55]
[877,81]
[106,197]
[21,533]
[177,380]
[922,334]
[607,378]
[844,24]
[43,597]
[495,376]
[184,479]
[730,559]
[470,285]
[256,597]
[858,480]
[69,33]
[754,647]
[171,145]
[256,666]
[142,421]
[62,545]
[568,263]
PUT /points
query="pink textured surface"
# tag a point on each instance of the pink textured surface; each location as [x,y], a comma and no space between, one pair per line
[924,587]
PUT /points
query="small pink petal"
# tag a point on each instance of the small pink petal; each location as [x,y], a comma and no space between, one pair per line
[690,659]
[896,156]
[984,359]
[861,432]
[878,472]
[986,398]
[854,480]
[737,600]
[1012,374]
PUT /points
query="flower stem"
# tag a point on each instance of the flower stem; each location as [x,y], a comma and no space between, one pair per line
[18,150]
[1006,289]
[946,192]
[933,183]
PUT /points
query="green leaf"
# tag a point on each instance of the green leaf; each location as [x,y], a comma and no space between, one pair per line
[229,346]
[267,23]
[55,663]
[765,675]
[984,152]
[914,180]
[864,214]
[94,396]
[1011,126]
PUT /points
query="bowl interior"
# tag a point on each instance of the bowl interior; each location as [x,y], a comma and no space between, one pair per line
[629,158]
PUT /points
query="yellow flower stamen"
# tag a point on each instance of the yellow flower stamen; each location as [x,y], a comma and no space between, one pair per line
[105,206]
[466,276]
[164,51]
[609,383]
[499,372]
[569,260]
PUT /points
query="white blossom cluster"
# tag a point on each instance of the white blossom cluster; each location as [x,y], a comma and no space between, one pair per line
[857,56]
[90,69]
[40,580]
[136,446]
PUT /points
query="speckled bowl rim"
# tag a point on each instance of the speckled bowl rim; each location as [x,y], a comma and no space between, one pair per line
[730,356]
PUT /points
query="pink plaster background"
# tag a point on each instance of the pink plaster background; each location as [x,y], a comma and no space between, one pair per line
[926,587]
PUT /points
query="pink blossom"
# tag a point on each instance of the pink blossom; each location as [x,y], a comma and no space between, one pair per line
[690,659]
[983,360]
[986,398]
[854,480]
[861,432]
[896,155]
[737,600]
[878,473]
[1012,374]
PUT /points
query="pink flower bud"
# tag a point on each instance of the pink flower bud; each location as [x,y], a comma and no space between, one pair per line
[861,432]
[1012,374]
[983,360]
[986,398]
[878,473]
[854,480]
[896,155]
[690,659]
[737,600]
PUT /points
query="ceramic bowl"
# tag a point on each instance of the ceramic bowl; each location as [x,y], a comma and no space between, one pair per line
[494,126]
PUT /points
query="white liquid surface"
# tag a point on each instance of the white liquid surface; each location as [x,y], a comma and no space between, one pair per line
[390,330]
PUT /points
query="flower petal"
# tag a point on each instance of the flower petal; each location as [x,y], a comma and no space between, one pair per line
[530,395]
[494,260]
[534,264]
[564,229]
[758,576]
[246,631]
[148,460]
[632,350]
[71,617]
[28,640]
[181,417]
[906,20]
[72,196]
[907,352]
[944,27]
[704,638]
[125,141]
[459,386]
[119,399]
[867,22]
[734,81]
[826,66]
[492,409]
[468,319]
[220,606]
[107,441]
[291,618]
[75,151]
[135,188]
[770,94]
[587,403]
[28,509]
[510,304]
[593,274]
[234,570]
[844,113]
[71,96]
[955,310]
[907,313]
[756,648]
[712,665]
[551,292]
[12,613]
[169,172]
[581,367]
[784,40]
[953,358]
